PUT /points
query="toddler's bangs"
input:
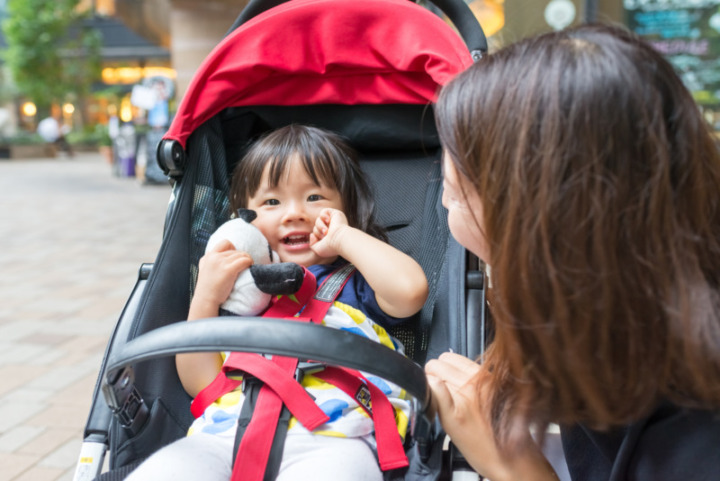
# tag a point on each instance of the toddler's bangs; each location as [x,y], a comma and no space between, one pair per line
[321,167]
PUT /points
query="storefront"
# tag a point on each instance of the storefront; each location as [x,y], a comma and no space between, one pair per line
[127,60]
[687,32]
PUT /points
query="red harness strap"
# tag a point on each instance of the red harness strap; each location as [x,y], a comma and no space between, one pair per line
[271,372]
[391,454]
[255,445]
[283,307]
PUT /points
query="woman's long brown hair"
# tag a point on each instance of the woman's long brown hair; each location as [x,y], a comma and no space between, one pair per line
[600,184]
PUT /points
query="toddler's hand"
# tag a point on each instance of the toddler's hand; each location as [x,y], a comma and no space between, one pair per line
[218,270]
[325,236]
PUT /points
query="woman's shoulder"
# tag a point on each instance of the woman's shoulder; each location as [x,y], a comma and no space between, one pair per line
[672,443]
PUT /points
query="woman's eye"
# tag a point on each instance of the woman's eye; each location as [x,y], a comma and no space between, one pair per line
[271,202]
[314,198]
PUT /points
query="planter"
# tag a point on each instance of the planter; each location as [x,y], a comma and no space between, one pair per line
[27,151]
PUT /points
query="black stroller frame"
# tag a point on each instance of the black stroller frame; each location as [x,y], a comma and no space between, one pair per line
[144,407]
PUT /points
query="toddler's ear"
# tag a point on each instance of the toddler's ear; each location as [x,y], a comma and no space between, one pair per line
[248,215]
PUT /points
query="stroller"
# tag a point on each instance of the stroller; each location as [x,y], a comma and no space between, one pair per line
[369,71]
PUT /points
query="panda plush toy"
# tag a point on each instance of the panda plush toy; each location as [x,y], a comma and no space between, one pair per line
[267,277]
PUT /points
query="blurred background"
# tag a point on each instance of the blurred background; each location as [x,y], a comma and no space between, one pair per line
[107,75]
[87,89]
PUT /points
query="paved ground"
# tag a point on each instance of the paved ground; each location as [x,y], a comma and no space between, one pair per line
[72,238]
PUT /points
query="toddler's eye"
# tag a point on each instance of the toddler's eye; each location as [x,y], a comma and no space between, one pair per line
[271,202]
[314,198]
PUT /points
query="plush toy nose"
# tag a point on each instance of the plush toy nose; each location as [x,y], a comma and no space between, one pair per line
[248,215]
[284,278]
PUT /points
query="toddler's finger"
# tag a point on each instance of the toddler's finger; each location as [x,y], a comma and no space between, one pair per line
[323,220]
[241,262]
[222,246]
[326,216]
[319,231]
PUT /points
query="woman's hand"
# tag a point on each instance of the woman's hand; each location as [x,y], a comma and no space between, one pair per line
[460,394]
[325,237]
[458,402]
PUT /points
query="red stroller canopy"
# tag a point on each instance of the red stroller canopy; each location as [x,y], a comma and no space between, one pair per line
[306,52]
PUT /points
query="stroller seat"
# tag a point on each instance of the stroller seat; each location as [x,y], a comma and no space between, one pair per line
[366,70]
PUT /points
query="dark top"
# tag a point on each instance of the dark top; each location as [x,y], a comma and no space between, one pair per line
[673,444]
[357,293]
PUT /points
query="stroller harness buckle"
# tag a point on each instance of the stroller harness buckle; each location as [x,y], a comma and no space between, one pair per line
[124,400]
[281,377]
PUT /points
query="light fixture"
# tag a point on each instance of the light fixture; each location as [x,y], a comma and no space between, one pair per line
[29,109]
[126,113]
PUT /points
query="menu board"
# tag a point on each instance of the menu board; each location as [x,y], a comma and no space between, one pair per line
[687,32]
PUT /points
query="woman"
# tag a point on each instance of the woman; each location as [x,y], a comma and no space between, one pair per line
[579,168]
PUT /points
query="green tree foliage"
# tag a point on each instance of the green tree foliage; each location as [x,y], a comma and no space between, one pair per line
[51,56]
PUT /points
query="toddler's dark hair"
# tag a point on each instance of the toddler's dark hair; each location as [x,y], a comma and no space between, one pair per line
[327,159]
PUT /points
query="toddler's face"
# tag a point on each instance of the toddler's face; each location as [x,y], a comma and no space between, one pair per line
[286,213]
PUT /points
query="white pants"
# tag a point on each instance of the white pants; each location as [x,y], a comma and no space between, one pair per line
[305,456]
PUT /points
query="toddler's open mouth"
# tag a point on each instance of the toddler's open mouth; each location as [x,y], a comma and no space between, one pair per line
[296,239]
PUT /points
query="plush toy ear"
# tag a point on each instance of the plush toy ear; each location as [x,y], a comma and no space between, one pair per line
[248,215]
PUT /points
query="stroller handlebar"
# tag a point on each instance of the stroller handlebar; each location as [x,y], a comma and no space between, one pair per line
[279,337]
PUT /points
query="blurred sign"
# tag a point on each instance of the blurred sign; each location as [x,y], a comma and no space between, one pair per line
[153,95]
[164,88]
[143,97]
[687,32]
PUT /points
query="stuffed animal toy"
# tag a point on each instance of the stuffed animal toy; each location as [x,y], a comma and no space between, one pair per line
[255,286]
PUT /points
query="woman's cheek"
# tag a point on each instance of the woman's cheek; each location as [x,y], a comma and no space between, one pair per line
[457,222]
[464,228]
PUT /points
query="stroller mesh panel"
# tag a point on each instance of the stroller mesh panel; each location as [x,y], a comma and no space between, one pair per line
[408,200]
[210,204]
